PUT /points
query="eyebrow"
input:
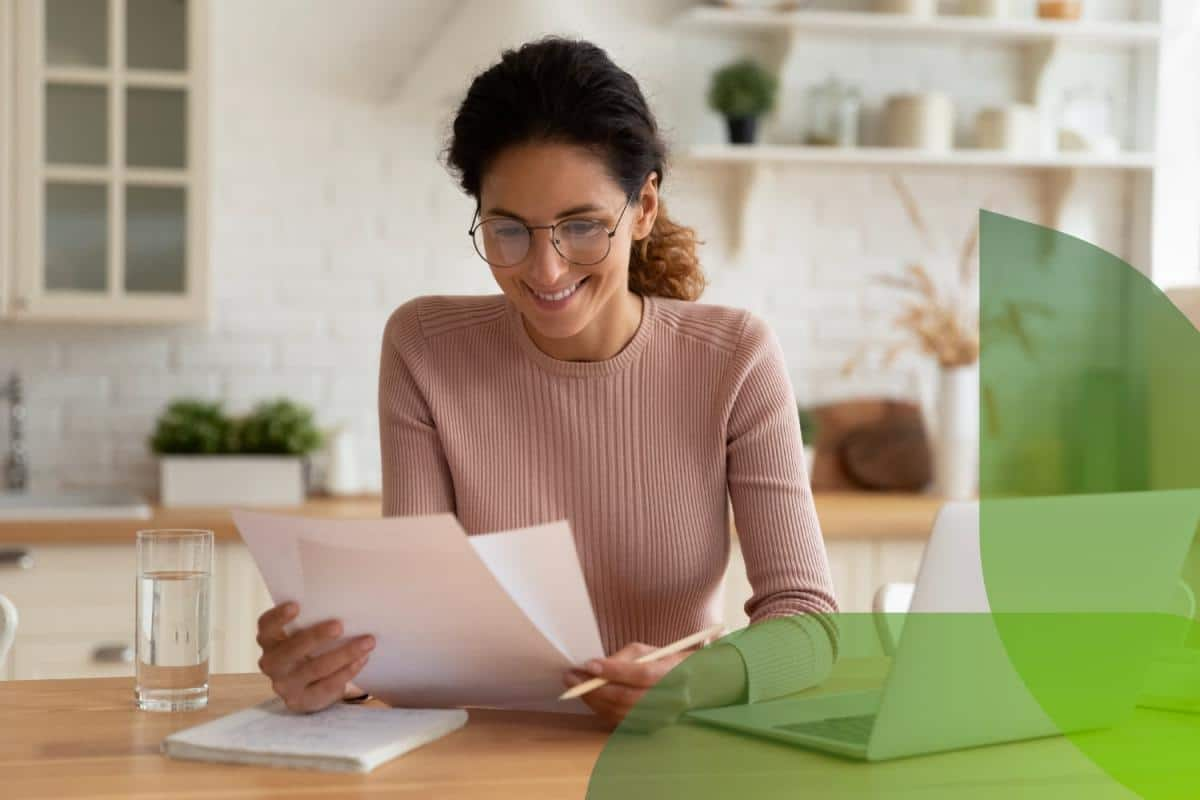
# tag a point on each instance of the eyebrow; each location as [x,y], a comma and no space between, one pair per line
[586,208]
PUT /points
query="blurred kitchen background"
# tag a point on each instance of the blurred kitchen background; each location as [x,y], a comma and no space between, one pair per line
[223,201]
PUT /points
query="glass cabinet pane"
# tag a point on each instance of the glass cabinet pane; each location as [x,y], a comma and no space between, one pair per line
[77,33]
[76,124]
[76,243]
[156,34]
[155,239]
[156,128]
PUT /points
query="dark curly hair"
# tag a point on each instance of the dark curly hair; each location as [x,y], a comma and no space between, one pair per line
[569,91]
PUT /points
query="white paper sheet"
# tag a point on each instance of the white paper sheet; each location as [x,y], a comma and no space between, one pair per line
[539,568]
[449,631]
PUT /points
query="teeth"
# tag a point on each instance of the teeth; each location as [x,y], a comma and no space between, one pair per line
[563,295]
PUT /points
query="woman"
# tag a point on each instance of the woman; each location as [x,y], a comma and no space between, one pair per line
[591,389]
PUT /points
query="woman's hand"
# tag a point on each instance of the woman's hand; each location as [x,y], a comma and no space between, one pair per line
[628,681]
[714,676]
[306,683]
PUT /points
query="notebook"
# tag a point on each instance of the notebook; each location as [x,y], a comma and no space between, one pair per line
[342,738]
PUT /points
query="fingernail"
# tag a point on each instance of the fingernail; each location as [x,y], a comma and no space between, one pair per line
[367,644]
[290,609]
[594,667]
[334,629]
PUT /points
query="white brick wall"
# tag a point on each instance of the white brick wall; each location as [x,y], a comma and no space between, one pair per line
[330,208]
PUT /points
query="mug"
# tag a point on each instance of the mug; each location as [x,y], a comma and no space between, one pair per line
[8,625]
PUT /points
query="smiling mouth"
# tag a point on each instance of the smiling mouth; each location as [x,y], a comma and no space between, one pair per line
[559,295]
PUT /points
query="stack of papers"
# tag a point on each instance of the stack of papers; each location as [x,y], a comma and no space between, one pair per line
[488,620]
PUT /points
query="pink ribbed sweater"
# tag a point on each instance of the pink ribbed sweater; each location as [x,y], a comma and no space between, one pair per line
[639,452]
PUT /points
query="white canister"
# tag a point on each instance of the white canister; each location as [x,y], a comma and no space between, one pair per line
[343,475]
[996,9]
[923,121]
[913,8]
[1013,129]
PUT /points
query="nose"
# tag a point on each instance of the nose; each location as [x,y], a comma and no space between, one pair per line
[544,267]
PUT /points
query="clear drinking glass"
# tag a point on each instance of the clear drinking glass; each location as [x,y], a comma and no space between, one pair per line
[174,573]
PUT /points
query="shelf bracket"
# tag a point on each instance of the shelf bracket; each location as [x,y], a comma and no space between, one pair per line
[1036,68]
[1066,206]
[750,197]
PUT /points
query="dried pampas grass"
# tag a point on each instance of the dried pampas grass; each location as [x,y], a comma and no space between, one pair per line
[940,324]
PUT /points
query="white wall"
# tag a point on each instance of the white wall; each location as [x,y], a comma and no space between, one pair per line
[330,208]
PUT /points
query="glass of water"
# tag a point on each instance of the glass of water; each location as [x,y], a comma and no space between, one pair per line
[174,572]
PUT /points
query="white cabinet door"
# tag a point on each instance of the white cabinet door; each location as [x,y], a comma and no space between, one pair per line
[110,160]
[76,604]
[88,656]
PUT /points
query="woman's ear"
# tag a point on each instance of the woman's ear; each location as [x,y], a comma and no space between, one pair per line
[647,208]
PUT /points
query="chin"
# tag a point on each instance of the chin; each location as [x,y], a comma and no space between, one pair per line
[553,328]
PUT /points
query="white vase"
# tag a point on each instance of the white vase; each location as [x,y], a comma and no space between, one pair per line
[956,454]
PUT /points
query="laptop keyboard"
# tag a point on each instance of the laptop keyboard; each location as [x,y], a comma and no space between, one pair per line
[853,730]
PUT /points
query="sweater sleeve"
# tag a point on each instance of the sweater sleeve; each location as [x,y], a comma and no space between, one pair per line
[416,475]
[777,526]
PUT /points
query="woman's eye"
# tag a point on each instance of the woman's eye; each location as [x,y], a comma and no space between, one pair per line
[508,229]
[580,228]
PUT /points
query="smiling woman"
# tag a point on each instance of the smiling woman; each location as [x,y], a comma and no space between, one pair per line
[593,390]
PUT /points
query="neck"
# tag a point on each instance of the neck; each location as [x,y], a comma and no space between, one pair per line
[604,337]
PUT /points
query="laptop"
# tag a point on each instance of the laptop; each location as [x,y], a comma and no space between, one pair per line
[952,683]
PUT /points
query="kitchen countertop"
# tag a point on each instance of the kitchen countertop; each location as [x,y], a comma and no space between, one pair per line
[844,516]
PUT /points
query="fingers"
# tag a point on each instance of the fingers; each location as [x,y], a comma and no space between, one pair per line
[279,660]
[621,668]
[270,624]
[327,691]
[612,702]
[314,670]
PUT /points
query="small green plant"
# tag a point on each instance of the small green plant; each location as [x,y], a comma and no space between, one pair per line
[279,427]
[810,426]
[200,427]
[194,427]
[742,89]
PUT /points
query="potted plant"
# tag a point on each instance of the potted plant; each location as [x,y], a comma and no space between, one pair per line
[742,91]
[810,430]
[208,458]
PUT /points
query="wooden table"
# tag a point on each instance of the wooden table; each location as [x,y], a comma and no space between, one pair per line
[83,738]
[844,516]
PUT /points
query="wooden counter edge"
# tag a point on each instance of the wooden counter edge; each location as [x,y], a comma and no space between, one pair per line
[844,516]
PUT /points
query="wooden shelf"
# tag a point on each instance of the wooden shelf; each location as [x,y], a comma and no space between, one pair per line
[896,157]
[1019,31]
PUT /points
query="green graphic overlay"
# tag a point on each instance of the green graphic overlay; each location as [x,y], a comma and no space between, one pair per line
[1074,624]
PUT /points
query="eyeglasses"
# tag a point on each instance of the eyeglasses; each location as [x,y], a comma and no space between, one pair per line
[504,242]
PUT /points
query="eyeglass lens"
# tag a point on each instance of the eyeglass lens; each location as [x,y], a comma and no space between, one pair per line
[505,242]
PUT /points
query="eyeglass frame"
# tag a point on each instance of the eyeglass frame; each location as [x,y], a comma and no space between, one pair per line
[553,243]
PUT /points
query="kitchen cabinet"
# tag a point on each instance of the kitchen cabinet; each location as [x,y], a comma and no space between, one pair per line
[76,602]
[103,169]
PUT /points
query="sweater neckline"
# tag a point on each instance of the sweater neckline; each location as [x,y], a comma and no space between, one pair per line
[585,369]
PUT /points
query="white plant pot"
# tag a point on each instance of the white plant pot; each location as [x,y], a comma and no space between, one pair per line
[231,480]
[810,458]
[956,454]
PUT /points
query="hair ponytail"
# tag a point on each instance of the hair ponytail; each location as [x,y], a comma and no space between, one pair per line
[664,264]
